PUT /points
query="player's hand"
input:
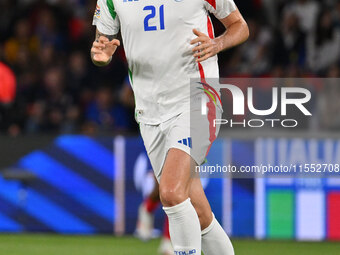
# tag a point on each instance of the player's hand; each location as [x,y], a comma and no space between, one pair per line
[206,47]
[103,49]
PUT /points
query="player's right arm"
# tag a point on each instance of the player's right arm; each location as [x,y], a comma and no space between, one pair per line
[107,23]
[103,48]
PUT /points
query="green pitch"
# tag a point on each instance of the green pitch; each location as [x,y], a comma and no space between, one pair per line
[107,245]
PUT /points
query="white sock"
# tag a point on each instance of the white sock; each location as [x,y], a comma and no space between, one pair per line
[185,229]
[215,240]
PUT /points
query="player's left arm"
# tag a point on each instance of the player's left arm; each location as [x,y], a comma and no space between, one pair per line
[237,32]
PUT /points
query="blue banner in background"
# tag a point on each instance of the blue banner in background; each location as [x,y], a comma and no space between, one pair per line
[89,185]
[71,193]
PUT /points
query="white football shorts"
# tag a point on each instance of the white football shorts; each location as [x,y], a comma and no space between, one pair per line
[191,132]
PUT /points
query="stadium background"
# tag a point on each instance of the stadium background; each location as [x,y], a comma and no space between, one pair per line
[71,160]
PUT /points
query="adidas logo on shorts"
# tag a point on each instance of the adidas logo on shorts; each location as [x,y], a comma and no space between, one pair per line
[186,142]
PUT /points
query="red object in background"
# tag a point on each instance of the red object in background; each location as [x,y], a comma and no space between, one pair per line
[76,29]
[166,232]
[333,222]
[7,84]
[151,205]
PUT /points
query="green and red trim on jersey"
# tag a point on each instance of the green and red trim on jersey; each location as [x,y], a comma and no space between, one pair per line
[211,110]
[111,7]
[130,75]
[206,86]
[212,92]
[209,94]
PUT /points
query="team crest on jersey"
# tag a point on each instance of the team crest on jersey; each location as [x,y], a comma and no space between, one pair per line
[97,12]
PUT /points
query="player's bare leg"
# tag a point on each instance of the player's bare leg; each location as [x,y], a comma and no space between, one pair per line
[176,178]
[176,186]
[200,203]
[214,239]
[185,229]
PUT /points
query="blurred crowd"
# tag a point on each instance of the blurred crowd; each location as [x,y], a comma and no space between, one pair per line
[47,43]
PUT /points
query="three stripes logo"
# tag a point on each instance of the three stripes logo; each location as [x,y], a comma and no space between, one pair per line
[186,142]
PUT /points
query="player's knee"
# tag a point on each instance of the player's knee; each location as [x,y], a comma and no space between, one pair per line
[172,196]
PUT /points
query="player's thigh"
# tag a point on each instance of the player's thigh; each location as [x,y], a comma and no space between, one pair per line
[176,177]
[200,202]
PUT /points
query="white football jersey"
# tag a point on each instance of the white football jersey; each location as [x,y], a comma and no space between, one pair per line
[156,37]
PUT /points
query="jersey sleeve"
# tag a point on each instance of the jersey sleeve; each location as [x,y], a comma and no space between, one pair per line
[220,8]
[105,17]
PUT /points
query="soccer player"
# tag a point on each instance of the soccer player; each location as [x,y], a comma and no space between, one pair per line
[166,44]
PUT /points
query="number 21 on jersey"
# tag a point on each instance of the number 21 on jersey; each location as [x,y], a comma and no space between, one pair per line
[152,14]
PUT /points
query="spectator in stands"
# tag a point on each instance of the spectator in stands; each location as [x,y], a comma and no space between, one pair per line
[289,42]
[255,53]
[21,41]
[307,12]
[329,103]
[324,44]
[106,113]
